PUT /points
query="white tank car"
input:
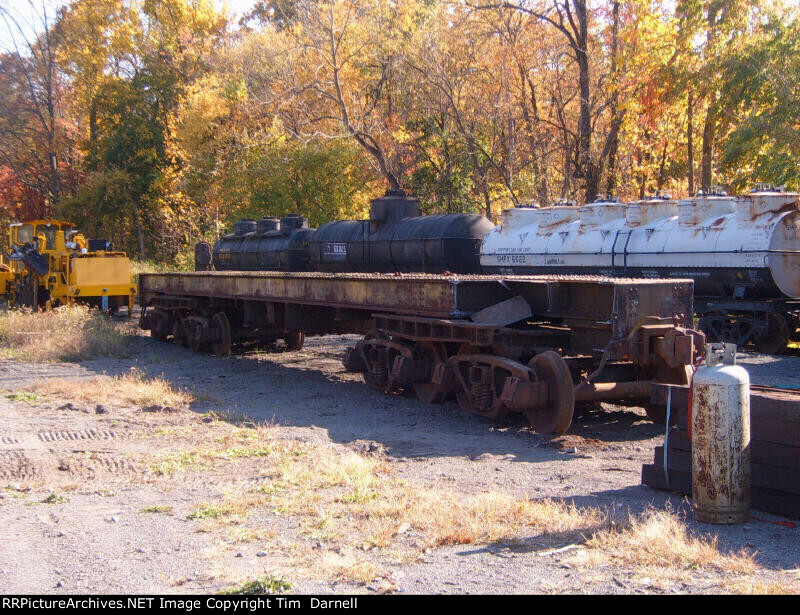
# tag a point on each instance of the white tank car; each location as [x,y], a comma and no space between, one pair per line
[743,253]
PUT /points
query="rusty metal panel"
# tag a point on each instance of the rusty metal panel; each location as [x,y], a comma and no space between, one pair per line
[638,302]
[404,294]
[504,313]
[598,302]
[598,298]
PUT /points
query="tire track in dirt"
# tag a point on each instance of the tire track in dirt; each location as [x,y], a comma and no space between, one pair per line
[16,465]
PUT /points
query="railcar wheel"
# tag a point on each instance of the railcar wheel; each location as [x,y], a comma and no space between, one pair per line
[376,375]
[776,338]
[430,353]
[188,323]
[178,333]
[161,328]
[556,416]
[294,340]
[195,328]
[222,347]
[483,398]
[721,326]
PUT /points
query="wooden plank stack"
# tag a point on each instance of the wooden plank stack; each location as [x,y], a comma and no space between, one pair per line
[774,449]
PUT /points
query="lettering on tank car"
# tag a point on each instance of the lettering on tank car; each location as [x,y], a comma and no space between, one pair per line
[510,250]
[689,274]
[334,249]
[512,259]
[554,261]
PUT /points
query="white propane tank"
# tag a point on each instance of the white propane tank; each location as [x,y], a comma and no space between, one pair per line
[721,438]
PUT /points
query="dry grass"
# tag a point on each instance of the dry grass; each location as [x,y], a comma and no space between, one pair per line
[765,588]
[130,389]
[353,505]
[659,542]
[353,501]
[68,333]
[348,567]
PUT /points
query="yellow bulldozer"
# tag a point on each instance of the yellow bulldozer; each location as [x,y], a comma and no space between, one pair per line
[50,264]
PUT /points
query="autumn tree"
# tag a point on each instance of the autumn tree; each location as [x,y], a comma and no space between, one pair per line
[141,59]
[35,141]
[345,76]
[761,87]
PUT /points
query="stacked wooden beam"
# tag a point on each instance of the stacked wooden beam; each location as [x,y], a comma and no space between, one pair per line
[774,450]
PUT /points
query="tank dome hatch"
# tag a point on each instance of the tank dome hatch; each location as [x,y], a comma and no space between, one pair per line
[604,198]
[243,227]
[600,213]
[558,215]
[643,212]
[692,212]
[268,225]
[516,217]
[761,207]
[292,222]
[394,205]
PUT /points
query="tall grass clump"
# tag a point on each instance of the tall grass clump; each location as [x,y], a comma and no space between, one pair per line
[131,388]
[659,538]
[67,333]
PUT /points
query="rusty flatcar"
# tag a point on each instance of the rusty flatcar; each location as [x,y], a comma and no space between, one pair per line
[499,344]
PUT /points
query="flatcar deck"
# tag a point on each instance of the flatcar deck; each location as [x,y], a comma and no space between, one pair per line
[529,344]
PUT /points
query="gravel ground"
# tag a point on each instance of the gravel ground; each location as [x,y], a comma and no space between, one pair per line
[101,540]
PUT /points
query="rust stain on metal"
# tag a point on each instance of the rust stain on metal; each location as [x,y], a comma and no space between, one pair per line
[720,438]
[787,207]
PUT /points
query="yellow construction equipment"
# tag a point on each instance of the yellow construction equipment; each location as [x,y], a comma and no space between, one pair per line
[52,264]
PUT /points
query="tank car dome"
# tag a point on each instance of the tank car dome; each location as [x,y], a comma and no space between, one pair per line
[267,225]
[242,227]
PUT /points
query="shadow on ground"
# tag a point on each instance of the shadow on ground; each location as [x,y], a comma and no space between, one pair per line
[310,388]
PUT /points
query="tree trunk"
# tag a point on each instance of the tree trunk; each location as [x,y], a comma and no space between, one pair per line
[616,119]
[531,117]
[709,133]
[480,173]
[137,220]
[586,166]
[93,134]
[690,143]
[662,164]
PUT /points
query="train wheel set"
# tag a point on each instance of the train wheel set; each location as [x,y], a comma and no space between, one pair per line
[203,330]
[409,354]
[767,331]
[533,345]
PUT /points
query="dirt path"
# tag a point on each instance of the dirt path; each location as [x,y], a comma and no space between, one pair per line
[106,534]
